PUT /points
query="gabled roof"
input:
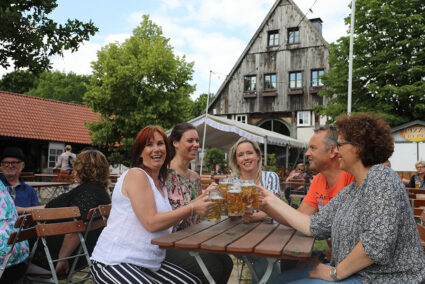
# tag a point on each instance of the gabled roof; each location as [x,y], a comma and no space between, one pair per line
[30,117]
[251,42]
[408,124]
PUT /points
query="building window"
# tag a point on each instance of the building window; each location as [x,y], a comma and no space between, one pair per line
[250,83]
[273,38]
[295,80]
[241,118]
[293,35]
[315,78]
[270,82]
[303,118]
[55,150]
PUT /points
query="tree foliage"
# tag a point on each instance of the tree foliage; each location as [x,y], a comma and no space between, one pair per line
[137,83]
[28,37]
[199,105]
[388,64]
[214,156]
[18,81]
[66,87]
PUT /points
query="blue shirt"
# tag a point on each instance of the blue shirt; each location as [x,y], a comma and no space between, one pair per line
[26,196]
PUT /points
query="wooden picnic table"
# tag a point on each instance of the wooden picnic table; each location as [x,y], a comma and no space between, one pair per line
[50,189]
[232,236]
[45,177]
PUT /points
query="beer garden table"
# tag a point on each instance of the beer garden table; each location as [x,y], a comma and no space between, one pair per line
[50,189]
[232,236]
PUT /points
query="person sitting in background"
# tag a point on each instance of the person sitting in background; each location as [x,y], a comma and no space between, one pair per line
[417,180]
[91,170]
[183,186]
[8,216]
[370,222]
[297,175]
[12,164]
[65,160]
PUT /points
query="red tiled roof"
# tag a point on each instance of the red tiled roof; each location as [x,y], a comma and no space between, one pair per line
[37,118]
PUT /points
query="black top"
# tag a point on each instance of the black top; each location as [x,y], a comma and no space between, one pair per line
[85,197]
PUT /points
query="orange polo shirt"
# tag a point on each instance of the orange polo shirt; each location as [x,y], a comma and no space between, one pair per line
[320,194]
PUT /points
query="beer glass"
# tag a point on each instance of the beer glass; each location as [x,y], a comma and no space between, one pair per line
[417,183]
[222,187]
[217,200]
[249,195]
[234,200]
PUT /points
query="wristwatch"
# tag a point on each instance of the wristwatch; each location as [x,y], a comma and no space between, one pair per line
[333,274]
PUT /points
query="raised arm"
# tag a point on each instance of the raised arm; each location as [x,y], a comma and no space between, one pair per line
[137,188]
[283,213]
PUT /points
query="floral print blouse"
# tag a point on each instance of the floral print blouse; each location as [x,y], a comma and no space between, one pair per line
[8,217]
[181,190]
[378,214]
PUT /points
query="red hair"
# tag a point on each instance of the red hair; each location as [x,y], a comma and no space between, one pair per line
[142,139]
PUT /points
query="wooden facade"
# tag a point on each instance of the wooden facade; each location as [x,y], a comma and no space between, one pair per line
[276,77]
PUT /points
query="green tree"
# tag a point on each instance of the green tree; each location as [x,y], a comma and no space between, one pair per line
[18,81]
[137,83]
[198,106]
[272,163]
[214,156]
[61,86]
[388,65]
[28,37]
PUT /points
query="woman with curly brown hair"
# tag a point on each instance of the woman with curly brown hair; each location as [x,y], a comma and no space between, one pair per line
[370,222]
[91,170]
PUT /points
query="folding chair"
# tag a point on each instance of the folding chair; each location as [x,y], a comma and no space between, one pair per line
[55,222]
[21,235]
[96,218]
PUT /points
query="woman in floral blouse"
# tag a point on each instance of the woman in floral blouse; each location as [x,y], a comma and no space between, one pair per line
[183,186]
[8,216]
[373,232]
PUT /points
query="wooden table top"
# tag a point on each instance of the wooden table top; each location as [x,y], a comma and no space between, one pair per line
[232,236]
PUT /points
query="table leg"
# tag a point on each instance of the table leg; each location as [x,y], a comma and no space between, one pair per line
[267,273]
[203,267]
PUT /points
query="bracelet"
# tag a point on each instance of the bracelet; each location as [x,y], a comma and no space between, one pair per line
[191,209]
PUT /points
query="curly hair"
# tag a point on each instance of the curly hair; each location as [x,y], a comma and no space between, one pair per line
[91,166]
[233,161]
[370,134]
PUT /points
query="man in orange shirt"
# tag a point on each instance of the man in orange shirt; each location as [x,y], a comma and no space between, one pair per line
[330,180]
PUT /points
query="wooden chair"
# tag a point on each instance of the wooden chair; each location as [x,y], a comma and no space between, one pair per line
[21,235]
[418,206]
[55,222]
[96,218]
[64,176]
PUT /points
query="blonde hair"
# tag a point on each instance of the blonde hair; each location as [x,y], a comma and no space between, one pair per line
[92,166]
[299,166]
[236,170]
[68,148]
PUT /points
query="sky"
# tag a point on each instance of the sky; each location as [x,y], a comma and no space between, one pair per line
[210,33]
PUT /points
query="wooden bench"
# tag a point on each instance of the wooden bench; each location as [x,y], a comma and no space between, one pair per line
[418,205]
[64,176]
[27,176]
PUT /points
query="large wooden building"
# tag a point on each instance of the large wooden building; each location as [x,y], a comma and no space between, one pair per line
[275,82]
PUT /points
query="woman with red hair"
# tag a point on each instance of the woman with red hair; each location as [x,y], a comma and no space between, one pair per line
[140,212]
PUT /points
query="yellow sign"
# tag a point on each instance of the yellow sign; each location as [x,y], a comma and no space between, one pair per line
[414,133]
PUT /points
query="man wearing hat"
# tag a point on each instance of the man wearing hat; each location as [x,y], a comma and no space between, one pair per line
[12,164]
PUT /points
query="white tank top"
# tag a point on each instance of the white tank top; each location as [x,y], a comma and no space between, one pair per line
[124,239]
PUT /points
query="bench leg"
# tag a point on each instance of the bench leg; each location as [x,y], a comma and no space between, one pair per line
[203,267]
[267,273]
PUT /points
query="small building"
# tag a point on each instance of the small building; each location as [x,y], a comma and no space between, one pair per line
[42,128]
[275,82]
[409,145]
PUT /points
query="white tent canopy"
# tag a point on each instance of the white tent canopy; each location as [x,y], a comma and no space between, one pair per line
[222,133]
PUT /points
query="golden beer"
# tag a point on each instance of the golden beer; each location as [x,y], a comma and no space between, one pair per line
[249,195]
[222,187]
[234,200]
[215,214]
